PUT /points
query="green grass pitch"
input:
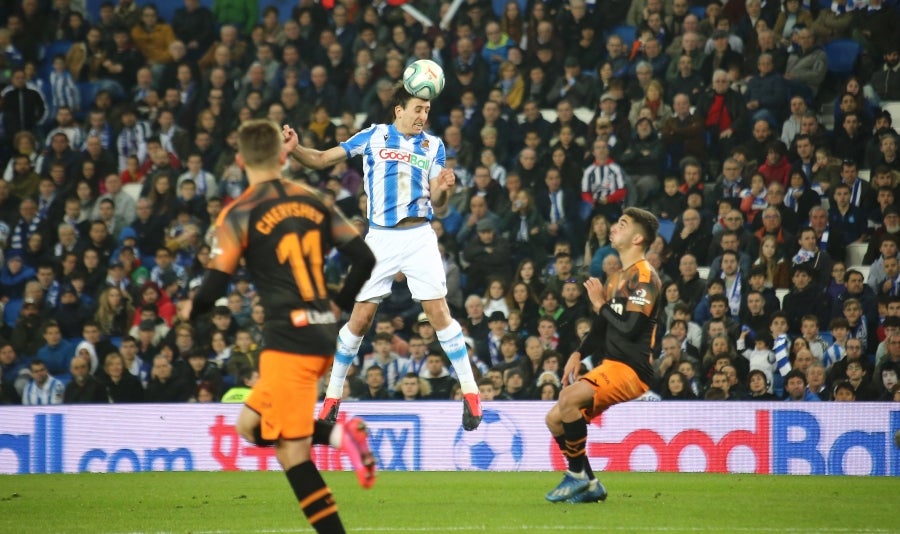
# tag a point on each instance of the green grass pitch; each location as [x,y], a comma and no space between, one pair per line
[462,502]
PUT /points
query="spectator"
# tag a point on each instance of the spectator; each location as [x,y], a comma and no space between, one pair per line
[806,66]
[806,298]
[886,81]
[437,376]
[767,91]
[121,385]
[202,372]
[23,107]
[43,389]
[153,37]
[691,238]
[850,140]
[833,23]
[795,385]
[859,328]
[721,54]
[858,377]
[683,133]
[843,392]
[195,26]
[722,110]
[671,357]
[164,386]
[84,388]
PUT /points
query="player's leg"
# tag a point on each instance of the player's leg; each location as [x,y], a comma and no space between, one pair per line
[569,428]
[309,487]
[450,335]
[424,272]
[248,427]
[348,342]
[350,335]
[350,437]
[609,384]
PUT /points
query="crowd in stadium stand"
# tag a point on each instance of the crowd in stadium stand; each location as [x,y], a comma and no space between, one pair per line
[760,132]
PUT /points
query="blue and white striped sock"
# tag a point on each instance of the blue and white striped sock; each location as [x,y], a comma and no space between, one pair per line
[347,348]
[454,345]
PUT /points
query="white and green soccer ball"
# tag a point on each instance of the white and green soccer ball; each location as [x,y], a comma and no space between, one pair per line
[424,79]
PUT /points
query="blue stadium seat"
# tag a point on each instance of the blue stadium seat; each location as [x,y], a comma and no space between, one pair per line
[11,311]
[666,229]
[698,11]
[626,33]
[842,55]
[55,48]
[500,6]
[87,90]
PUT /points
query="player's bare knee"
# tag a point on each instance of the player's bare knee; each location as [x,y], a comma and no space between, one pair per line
[553,420]
[245,430]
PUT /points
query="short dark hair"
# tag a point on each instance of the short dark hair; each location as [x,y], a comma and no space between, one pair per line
[646,221]
[843,384]
[383,336]
[839,322]
[401,96]
[795,373]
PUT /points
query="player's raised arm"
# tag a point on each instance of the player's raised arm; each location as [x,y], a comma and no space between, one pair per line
[315,159]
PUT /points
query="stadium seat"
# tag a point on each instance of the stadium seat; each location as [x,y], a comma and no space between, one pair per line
[855,253]
[11,311]
[627,33]
[549,115]
[584,114]
[864,174]
[133,190]
[842,55]
[666,229]
[500,6]
[703,272]
[698,11]
[55,48]
[894,109]
[780,293]
[87,90]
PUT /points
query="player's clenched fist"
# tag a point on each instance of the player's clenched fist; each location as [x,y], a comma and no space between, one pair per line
[290,138]
[446,179]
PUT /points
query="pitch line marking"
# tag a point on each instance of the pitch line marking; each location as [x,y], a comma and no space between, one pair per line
[570,528]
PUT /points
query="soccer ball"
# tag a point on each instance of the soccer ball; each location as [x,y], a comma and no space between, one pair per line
[424,79]
[497,445]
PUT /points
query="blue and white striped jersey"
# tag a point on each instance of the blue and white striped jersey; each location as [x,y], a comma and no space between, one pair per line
[398,171]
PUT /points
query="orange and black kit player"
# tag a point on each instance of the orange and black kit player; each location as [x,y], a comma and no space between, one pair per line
[284,232]
[622,332]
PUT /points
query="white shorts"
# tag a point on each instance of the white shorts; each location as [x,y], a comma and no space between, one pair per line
[412,251]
